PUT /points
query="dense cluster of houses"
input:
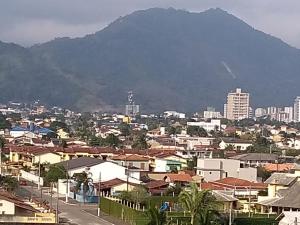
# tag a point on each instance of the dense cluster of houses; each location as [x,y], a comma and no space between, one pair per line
[223,164]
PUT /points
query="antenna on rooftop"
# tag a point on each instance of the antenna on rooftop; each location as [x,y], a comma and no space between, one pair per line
[131,108]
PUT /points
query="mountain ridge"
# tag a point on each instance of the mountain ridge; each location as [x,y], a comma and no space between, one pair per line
[171,59]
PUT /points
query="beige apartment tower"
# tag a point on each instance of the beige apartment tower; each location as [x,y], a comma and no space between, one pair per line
[237,106]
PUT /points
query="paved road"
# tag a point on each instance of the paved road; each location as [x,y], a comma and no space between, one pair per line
[73,214]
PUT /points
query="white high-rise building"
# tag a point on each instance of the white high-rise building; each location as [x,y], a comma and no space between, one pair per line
[297,109]
[237,105]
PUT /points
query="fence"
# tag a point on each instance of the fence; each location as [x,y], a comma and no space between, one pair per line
[127,213]
[136,215]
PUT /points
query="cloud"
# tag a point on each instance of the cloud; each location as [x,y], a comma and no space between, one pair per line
[33,21]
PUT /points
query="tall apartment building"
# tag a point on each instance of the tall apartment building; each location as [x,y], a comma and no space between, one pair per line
[237,106]
[297,109]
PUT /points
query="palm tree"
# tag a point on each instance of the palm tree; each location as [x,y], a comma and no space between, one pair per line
[200,204]
[156,217]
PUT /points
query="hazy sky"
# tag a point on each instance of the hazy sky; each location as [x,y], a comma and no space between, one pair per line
[34,21]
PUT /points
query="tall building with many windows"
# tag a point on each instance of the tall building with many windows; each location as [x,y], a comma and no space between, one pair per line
[237,106]
[297,109]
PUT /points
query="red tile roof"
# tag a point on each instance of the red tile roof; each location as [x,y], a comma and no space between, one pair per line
[173,177]
[274,167]
[79,149]
[133,157]
[16,200]
[112,183]
[233,183]
[154,184]
[210,186]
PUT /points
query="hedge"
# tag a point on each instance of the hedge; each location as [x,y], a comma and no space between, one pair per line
[123,212]
[255,221]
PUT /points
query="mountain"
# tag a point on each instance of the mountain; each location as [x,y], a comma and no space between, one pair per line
[170,59]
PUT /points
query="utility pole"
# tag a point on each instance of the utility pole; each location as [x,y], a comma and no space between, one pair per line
[99,194]
[39,182]
[230,214]
[0,160]
[51,205]
[250,201]
[127,172]
[67,185]
[56,212]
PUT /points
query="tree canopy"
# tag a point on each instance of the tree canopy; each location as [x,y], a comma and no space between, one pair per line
[201,205]
[196,131]
[55,172]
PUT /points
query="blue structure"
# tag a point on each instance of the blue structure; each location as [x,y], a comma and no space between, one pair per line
[34,129]
[164,207]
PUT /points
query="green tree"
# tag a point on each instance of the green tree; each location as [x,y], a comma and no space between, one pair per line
[192,163]
[112,141]
[138,195]
[125,129]
[56,125]
[196,131]
[54,173]
[4,124]
[96,141]
[174,130]
[263,173]
[201,205]
[229,147]
[9,183]
[2,145]
[156,217]
[63,143]
[2,142]
[81,179]
[140,142]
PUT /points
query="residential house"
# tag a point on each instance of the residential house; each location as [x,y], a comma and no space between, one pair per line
[46,158]
[216,169]
[134,160]
[15,210]
[168,162]
[256,159]
[243,190]
[97,169]
[286,199]
[213,124]
[237,144]
[157,187]
[115,186]
[279,181]
[182,179]
[172,178]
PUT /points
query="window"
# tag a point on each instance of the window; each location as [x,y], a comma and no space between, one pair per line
[142,166]
[1,204]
